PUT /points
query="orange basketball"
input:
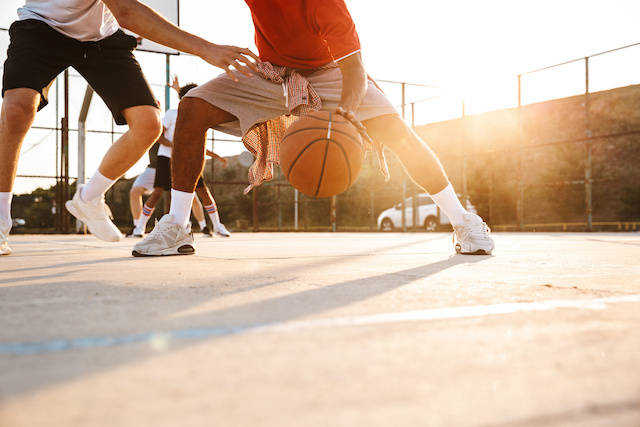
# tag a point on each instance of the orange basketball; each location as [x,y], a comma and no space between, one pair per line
[321,154]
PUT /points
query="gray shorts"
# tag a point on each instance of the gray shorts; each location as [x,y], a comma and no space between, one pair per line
[256,100]
[145,179]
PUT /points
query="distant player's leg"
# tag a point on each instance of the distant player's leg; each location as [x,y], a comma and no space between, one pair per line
[212,209]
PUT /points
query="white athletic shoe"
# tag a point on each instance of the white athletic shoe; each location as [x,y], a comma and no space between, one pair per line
[5,228]
[221,231]
[472,237]
[96,215]
[137,232]
[166,238]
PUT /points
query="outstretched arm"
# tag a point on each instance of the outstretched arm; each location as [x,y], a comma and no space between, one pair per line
[354,88]
[146,22]
[213,155]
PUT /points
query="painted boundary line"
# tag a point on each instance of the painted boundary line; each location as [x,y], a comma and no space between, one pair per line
[161,339]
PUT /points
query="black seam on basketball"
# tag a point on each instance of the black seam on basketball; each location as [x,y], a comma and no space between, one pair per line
[346,158]
[324,162]
[288,173]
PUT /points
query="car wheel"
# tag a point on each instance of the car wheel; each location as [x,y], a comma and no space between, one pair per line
[431,223]
[386,225]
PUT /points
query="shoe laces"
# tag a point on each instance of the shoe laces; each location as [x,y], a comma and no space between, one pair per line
[105,209]
[477,229]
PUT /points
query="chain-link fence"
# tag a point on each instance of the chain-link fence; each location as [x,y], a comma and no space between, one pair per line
[569,163]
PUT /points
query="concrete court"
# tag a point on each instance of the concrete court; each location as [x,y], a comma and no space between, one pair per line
[322,329]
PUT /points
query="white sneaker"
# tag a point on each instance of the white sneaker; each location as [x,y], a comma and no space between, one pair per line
[138,232]
[96,215]
[221,230]
[472,237]
[166,238]
[5,228]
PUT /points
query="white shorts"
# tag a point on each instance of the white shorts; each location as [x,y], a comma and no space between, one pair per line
[145,179]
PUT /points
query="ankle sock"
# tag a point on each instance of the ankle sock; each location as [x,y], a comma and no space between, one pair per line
[5,206]
[447,200]
[181,207]
[96,187]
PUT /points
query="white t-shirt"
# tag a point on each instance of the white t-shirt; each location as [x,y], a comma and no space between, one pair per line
[169,123]
[83,20]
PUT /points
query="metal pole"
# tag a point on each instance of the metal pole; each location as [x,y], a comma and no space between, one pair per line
[64,169]
[463,165]
[588,159]
[82,142]
[167,88]
[256,217]
[295,209]
[519,184]
[404,180]
[334,213]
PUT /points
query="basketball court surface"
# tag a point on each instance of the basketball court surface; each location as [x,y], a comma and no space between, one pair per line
[322,329]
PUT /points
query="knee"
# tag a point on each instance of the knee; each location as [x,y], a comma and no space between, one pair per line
[190,108]
[146,126]
[393,133]
[137,191]
[18,113]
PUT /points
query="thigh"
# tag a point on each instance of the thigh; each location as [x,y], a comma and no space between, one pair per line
[115,74]
[252,100]
[36,55]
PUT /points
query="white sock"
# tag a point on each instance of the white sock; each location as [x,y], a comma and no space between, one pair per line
[144,218]
[96,187]
[202,224]
[5,206]
[135,222]
[450,205]
[181,207]
[212,210]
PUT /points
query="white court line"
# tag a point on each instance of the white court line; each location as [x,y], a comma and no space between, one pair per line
[162,338]
[448,313]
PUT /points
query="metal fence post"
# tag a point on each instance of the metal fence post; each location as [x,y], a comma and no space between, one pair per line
[587,165]
[520,177]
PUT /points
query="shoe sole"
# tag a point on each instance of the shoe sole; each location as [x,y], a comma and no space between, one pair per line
[182,250]
[75,212]
[478,252]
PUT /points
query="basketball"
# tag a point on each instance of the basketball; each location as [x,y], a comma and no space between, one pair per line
[321,154]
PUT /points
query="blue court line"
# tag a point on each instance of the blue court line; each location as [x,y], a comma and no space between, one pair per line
[40,347]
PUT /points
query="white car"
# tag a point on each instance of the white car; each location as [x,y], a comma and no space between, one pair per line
[430,218]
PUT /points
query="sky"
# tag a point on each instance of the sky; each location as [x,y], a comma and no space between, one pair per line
[468,50]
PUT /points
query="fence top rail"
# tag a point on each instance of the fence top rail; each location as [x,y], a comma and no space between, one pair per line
[579,59]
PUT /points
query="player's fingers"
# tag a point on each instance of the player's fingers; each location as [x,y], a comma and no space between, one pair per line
[231,74]
[350,115]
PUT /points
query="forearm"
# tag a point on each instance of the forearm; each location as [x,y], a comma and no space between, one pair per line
[354,82]
[164,141]
[146,22]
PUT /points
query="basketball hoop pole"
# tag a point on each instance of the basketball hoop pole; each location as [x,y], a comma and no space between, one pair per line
[167,93]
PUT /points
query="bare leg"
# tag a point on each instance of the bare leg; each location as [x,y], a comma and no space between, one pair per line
[195,117]
[135,201]
[18,112]
[144,129]
[420,162]
[198,213]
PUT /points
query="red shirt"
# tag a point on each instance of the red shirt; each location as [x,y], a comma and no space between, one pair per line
[303,33]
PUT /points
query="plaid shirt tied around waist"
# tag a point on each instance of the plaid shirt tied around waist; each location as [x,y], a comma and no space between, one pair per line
[263,139]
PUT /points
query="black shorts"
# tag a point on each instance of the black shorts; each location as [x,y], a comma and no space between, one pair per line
[163,174]
[37,54]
